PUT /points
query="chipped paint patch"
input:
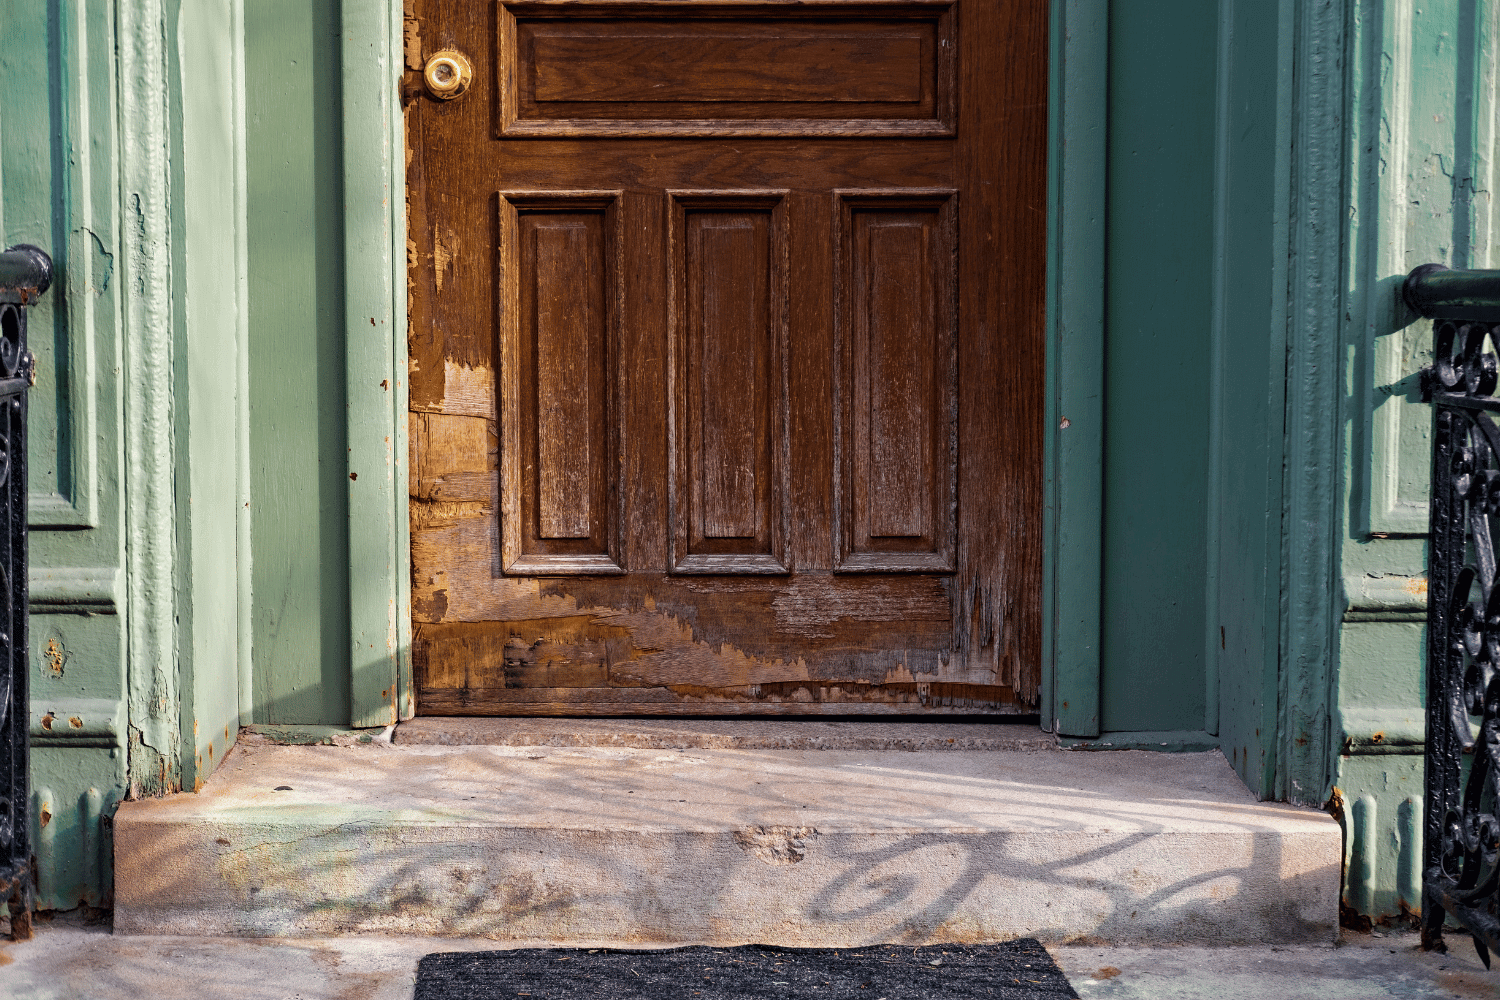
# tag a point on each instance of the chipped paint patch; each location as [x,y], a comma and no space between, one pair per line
[468,391]
[56,655]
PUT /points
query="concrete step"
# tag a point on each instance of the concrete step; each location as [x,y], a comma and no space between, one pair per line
[724,846]
[935,734]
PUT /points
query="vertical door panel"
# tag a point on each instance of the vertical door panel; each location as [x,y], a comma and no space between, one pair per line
[559,313]
[729,382]
[895,395]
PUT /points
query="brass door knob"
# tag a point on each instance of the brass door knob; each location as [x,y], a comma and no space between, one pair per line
[447,74]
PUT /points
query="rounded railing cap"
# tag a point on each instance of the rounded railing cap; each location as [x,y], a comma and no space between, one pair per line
[25,268]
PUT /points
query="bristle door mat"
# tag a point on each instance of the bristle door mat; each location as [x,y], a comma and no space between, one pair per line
[1016,970]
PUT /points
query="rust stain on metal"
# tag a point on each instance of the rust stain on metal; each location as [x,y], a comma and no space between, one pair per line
[1417,586]
[45,816]
[47,721]
[75,722]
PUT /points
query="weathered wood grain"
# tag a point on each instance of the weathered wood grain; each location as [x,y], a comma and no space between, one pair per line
[896,381]
[708,425]
[560,305]
[650,63]
[727,305]
[769,69]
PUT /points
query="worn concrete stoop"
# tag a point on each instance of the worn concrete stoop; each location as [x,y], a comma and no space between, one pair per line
[559,838]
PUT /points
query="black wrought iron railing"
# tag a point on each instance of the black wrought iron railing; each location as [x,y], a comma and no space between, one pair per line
[25,273]
[1461,825]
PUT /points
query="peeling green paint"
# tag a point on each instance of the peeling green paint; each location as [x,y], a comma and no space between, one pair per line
[1421,148]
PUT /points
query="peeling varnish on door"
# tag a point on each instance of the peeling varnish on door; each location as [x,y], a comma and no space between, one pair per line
[445,251]
[468,391]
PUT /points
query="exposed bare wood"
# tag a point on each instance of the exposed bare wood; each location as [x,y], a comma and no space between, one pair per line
[704,425]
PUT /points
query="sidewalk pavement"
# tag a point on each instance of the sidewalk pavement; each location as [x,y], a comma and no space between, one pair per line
[68,960]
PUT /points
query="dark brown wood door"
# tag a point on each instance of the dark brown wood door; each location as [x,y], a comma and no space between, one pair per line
[727,356]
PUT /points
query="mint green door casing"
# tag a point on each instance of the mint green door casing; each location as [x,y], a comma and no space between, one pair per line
[59,189]
[1422,100]
[1234,454]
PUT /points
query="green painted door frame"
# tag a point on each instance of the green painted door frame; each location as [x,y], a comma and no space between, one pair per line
[1234,519]
[224,542]
[375,355]
[1189,255]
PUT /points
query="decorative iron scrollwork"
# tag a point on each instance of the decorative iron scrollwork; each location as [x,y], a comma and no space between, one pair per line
[25,274]
[1461,826]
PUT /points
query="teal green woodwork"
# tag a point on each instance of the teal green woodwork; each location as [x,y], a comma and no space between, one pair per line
[298,441]
[1380,805]
[327,364]
[375,323]
[1423,78]
[123,164]
[1074,422]
[146,82]
[1159,277]
[209,343]
[1310,513]
[59,189]
[1236,454]
[1246,383]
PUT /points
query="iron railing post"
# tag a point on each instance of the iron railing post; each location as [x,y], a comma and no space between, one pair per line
[25,273]
[1461,821]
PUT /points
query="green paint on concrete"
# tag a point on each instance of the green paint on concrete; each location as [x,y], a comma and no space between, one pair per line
[310,735]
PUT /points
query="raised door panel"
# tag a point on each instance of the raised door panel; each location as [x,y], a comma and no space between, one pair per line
[896,382]
[728,392]
[559,316]
[771,68]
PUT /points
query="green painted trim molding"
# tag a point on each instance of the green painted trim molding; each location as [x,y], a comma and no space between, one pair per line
[1166,741]
[76,590]
[1418,172]
[375,314]
[1074,423]
[78,722]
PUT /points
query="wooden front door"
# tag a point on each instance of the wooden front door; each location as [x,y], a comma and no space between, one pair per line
[727,356]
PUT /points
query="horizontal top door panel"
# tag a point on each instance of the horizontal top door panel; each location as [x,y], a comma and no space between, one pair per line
[685,69]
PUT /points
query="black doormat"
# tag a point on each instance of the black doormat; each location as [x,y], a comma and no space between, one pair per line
[1017,970]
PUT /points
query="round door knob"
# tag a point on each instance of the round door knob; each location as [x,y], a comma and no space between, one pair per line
[447,74]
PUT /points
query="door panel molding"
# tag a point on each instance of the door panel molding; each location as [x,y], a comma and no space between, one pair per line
[374,172]
[560,300]
[773,68]
[895,380]
[727,310]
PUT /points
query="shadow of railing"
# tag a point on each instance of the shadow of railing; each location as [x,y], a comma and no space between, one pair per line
[822,847]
